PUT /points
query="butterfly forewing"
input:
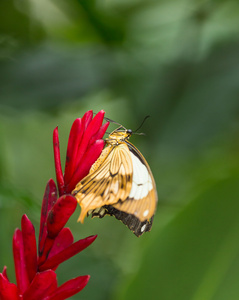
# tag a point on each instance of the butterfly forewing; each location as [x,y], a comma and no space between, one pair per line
[108,182]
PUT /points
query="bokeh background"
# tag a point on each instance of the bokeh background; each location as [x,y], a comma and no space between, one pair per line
[175,60]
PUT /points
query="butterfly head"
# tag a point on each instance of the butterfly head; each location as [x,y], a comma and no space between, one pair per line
[120,135]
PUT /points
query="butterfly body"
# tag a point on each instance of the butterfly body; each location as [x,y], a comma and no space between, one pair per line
[120,183]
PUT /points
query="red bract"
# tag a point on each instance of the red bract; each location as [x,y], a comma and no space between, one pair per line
[35,270]
[84,147]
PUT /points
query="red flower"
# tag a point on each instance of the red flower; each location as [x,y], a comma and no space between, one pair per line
[35,269]
[35,272]
[84,147]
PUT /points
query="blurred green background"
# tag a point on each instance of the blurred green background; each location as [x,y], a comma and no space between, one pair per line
[175,60]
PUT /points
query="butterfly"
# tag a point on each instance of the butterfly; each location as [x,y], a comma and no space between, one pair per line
[120,183]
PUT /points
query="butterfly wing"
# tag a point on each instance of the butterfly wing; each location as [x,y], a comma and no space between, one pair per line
[109,180]
[138,209]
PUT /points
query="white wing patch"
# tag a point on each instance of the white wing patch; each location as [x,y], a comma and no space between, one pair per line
[141,183]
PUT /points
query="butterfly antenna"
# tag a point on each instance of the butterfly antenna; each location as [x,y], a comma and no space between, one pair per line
[135,131]
[108,120]
[112,121]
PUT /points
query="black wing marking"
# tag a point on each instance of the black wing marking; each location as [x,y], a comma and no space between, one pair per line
[132,222]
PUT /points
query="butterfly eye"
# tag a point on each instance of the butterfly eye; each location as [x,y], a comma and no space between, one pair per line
[129,131]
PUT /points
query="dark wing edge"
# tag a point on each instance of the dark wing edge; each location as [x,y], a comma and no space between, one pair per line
[131,221]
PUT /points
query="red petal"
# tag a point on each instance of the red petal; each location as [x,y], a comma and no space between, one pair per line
[88,160]
[42,285]
[57,158]
[8,291]
[100,133]
[67,253]
[30,248]
[19,261]
[59,214]
[96,123]
[74,140]
[4,272]
[69,288]
[54,246]
[62,241]
[45,251]
[49,199]
[91,130]
[56,220]
[86,119]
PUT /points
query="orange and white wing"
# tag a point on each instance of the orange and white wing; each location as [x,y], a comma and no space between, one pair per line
[109,180]
[138,209]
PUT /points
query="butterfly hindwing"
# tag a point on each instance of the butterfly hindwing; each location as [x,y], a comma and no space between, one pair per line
[132,222]
[141,203]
